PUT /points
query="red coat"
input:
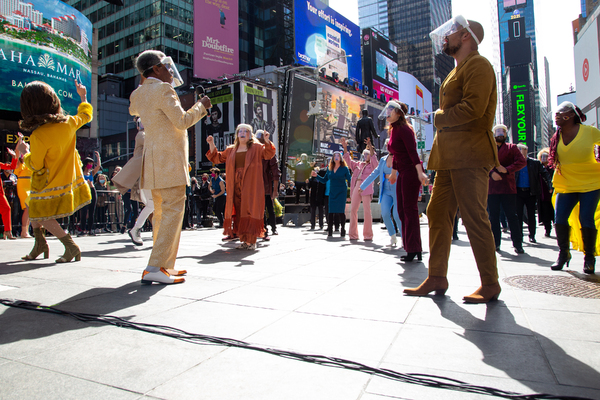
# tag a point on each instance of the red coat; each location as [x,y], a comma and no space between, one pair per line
[12,166]
[510,157]
[253,190]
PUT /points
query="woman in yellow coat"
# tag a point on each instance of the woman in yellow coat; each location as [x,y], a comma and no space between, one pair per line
[57,185]
[23,187]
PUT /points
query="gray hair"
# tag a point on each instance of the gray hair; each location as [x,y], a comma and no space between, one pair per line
[148,59]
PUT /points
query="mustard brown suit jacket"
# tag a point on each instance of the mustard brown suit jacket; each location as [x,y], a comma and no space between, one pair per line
[166,148]
[465,119]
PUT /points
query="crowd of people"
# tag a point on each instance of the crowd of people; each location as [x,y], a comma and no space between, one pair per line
[477,171]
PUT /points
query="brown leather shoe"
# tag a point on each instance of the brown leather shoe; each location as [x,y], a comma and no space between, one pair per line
[437,283]
[484,294]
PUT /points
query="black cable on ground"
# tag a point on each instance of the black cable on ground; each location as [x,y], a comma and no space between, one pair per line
[432,381]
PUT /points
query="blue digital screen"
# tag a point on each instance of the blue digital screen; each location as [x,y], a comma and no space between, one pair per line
[323,35]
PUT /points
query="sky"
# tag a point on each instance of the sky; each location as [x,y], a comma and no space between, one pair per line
[554,33]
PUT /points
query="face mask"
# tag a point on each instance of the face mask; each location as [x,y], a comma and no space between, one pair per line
[102,181]
[204,178]
[213,175]
[89,166]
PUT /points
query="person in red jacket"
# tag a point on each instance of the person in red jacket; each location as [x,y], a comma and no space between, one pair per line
[503,189]
[4,205]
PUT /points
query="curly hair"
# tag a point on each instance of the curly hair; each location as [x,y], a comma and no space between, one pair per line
[40,105]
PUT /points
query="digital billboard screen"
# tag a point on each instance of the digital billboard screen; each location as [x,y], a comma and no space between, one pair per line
[522,124]
[380,58]
[340,113]
[418,99]
[323,35]
[216,38]
[44,40]
[299,129]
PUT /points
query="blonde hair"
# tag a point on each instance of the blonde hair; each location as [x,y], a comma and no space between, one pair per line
[545,150]
[251,139]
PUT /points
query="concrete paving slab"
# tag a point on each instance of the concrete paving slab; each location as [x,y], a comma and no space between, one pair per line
[243,374]
[353,339]
[494,354]
[22,381]
[123,358]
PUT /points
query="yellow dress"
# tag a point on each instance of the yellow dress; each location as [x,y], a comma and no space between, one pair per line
[57,185]
[23,184]
[579,173]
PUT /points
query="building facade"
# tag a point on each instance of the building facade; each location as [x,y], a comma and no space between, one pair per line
[410,22]
[373,14]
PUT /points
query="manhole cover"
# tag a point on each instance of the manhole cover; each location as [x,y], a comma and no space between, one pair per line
[578,285]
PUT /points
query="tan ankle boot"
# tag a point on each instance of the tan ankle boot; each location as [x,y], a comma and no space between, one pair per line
[484,294]
[71,250]
[39,246]
[437,283]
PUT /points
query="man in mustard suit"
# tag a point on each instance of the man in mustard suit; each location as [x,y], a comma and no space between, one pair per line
[463,153]
[165,149]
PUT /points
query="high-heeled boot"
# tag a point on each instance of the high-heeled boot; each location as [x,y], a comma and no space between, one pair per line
[484,294]
[411,256]
[563,231]
[39,246]
[71,250]
[589,236]
[439,284]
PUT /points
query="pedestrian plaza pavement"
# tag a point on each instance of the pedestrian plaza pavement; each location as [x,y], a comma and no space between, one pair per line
[299,294]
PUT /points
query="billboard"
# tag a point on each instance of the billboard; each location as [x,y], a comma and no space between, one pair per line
[299,129]
[418,99]
[216,38]
[587,70]
[521,119]
[323,35]
[340,113]
[380,58]
[44,40]
[259,109]
[220,123]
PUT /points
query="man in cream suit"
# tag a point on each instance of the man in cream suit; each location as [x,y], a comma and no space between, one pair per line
[165,149]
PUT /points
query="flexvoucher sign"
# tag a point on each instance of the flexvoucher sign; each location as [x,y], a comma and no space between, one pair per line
[44,40]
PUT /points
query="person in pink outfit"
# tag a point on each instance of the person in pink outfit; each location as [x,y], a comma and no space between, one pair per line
[361,171]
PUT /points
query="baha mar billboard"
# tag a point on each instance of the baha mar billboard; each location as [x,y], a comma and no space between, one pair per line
[44,40]
[324,37]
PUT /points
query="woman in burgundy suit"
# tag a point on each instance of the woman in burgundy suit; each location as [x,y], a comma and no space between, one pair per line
[403,147]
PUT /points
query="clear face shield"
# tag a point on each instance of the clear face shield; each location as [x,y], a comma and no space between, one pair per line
[172,68]
[438,36]
[389,107]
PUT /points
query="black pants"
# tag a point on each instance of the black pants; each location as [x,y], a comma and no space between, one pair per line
[131,210]
[271,211]
[220,208]
[88,213]
[508,202]
[202,212]
[299,186]
[524,199]
[313,215]
[337,218]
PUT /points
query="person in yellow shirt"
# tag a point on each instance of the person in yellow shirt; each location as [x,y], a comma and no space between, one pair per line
[23,187]
[57,185]
[575,181]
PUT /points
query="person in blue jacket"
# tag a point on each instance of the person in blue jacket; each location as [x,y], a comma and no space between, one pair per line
[339,177]
[387,194]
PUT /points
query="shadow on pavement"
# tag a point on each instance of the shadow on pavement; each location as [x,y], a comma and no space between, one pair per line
[497,311]
[18,324]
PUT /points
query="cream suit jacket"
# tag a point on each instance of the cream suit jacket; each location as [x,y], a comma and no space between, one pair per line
[166,148]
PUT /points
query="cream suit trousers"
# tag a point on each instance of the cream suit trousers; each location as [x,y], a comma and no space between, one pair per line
[169,208]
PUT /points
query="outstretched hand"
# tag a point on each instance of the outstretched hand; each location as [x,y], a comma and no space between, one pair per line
[81,91]
[210,139]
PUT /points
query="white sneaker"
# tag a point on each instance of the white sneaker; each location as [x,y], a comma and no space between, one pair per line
[161,276]
[136,236]
[393,240]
